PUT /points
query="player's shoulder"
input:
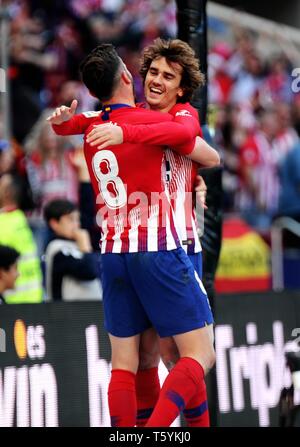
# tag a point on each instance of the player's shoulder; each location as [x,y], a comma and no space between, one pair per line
[183,109]
[90,118]
[85,119]
[91,114]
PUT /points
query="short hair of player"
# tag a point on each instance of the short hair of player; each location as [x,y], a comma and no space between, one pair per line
[175,50]
[57,208]
[101,70]
[8,256]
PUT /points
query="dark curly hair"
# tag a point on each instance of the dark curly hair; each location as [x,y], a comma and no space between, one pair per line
[175,50]
[100,71]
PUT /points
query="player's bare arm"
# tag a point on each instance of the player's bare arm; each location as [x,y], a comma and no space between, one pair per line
[200,190]
[204,154]
[104,135]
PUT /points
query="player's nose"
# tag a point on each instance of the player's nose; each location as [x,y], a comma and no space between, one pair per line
[158,79]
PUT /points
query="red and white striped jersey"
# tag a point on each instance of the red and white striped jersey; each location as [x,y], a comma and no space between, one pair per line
[181,174]
[133,206]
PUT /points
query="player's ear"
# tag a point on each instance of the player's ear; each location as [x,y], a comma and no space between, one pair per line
[125,77]
[180,92]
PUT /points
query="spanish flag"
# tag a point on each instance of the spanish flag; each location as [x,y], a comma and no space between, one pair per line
[245,260]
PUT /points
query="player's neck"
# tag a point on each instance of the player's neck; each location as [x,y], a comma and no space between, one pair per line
[117,102]
[120,98]
[159,109]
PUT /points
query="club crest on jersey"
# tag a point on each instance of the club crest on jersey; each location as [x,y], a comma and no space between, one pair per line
[183,113]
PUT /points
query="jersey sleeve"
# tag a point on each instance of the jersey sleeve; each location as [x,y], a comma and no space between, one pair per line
[76,125]
[183,110]
[180,133]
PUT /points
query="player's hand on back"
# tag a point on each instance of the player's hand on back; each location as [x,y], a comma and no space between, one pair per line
[79,163]
[63,113]
[104,135]
[201,189]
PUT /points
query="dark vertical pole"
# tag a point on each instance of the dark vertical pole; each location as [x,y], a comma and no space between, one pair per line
[192,28]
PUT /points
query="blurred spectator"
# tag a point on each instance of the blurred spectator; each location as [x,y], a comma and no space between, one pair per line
[12,162]
[51,173]
[289,171]
[277,85]
[258,194]
[296,113]
[233,123]
[29,61]
[220,82]
[248,80]
[15,232]
[8,269]
[244,44]
[67,51]
[85,8]
[6,157]
[286,136]
[71,267]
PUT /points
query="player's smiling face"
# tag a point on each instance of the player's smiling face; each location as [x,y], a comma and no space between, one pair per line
[162,84]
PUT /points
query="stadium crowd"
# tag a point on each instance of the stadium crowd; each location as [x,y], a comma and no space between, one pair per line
[257,126]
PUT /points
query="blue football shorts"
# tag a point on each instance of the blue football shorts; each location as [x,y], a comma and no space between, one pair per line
[196,260]
[159,289]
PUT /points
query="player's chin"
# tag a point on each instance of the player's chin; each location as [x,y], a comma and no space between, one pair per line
[153,100]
